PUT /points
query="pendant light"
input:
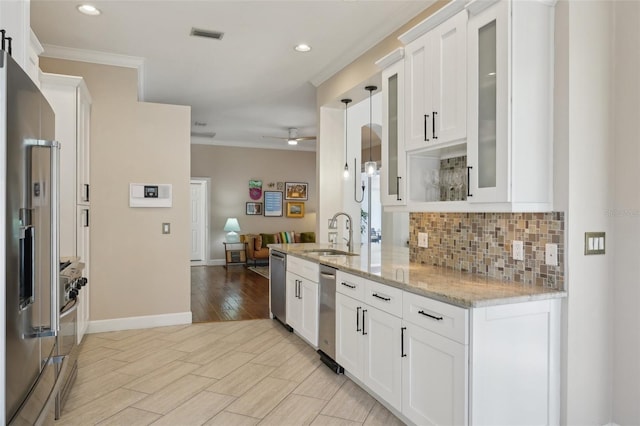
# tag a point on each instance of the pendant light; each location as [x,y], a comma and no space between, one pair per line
[345,174]
[370,167]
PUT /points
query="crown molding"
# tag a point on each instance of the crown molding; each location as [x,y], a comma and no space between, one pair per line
[390,58]
[441,15]
[102,58]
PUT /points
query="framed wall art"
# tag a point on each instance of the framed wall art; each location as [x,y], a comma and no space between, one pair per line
[295,209]
[296,191]
[254,208]
[272,203]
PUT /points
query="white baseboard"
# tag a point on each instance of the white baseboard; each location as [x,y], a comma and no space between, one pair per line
[217,262]
[132,323]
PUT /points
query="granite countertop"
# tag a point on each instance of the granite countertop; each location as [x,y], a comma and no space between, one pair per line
[447,285]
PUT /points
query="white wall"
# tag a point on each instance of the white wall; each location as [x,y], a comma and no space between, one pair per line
[625,214]
[583,147]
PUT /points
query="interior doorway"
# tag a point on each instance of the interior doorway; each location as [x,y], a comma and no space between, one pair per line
[199,221]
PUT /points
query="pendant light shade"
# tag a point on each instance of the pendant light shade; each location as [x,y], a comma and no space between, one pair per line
[345,173]
[370,167]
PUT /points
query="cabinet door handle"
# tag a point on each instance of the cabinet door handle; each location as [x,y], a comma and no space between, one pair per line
[398,188]
[86,218]
[348,285]
[469,194]
[386,299]
[426,118]
[433,128]
[300,289]
[430,316]
[364,333]
[402,354]
[296,290]
[358,318]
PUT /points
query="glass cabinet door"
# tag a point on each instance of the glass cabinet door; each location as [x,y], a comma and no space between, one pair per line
[393,154]
[487,119]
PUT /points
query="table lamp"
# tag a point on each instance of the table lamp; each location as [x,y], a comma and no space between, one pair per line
[232,227]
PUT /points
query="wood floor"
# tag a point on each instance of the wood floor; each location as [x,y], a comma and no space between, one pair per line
[228,294]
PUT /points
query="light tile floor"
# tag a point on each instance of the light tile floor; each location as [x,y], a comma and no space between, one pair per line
[222,373]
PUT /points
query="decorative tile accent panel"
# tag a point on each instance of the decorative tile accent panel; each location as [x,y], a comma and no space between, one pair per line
[481,243]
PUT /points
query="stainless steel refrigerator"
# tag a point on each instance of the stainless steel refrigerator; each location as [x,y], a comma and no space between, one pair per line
[29,258]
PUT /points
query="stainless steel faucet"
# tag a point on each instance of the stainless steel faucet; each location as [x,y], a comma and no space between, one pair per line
[349,226]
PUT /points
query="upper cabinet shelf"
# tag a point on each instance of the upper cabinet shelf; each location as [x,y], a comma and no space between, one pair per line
[478,106]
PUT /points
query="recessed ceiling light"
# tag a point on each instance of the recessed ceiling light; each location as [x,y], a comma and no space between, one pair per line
[88,9]
[302,48]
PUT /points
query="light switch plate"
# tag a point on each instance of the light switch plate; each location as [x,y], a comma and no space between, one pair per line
[551,254]
[166,228]
[423,239]
[594,243]
[518,250]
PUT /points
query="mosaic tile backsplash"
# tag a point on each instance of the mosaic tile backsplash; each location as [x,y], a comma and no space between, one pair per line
[481,243]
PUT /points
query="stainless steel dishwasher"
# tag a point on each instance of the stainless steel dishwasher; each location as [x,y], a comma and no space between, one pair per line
[327,319]
[278,285]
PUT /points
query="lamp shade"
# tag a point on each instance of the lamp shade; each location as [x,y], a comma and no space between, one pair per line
[232,227]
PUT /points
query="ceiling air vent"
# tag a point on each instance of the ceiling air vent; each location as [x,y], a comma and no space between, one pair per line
[197,32]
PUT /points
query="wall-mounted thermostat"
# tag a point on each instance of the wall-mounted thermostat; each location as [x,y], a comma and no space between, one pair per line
[150,195]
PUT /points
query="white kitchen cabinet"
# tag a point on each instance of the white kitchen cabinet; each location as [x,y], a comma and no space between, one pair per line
[393,170]
[436,85]
[15,20]
[368,345]
[510,78]
[434,378]
[71,103]
[435,363]
[515,364]
[302,300]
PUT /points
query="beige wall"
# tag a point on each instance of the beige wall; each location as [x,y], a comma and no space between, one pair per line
[230,170]
[135,269]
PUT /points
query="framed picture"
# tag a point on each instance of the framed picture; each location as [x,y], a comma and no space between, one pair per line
[254,208]
[295,209]
[272,203]
[296,191]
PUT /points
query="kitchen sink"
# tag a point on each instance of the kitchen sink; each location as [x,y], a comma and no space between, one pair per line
[330,252]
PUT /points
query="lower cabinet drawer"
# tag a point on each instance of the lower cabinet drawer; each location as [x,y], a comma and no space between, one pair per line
[441,318]
[304,268]
[350,285]
[384,297]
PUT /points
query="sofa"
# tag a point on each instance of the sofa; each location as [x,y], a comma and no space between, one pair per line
[257,244]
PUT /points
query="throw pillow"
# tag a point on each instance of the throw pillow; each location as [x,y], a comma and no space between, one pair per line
[257,242]
[287,237]
[308,237]
[268,239]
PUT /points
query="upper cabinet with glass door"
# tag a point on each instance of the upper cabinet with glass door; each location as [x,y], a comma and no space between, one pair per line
[509,142]
[393,170]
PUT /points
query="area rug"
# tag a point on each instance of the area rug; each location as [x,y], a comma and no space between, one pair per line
[260,270]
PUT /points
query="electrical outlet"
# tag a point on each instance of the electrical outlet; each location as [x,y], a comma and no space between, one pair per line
[551,254]
[423,239]
[517,248]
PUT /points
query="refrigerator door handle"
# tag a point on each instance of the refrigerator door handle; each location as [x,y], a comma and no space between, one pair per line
[27,267]
[42,142]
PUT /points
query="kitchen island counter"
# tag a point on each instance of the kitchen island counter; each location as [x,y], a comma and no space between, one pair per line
[393,268]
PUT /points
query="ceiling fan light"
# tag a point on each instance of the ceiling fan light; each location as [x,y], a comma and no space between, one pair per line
[292,142]
[88,9]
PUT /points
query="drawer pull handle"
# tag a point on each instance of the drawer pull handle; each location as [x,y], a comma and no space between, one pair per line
[430,316]
[347,285]
[386,299]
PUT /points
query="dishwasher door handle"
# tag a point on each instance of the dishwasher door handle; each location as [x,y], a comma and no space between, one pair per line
[328,276]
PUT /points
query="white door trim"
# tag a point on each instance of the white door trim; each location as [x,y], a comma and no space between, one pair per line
[206,184]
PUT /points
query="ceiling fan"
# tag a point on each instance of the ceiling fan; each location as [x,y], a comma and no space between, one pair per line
[293,137]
